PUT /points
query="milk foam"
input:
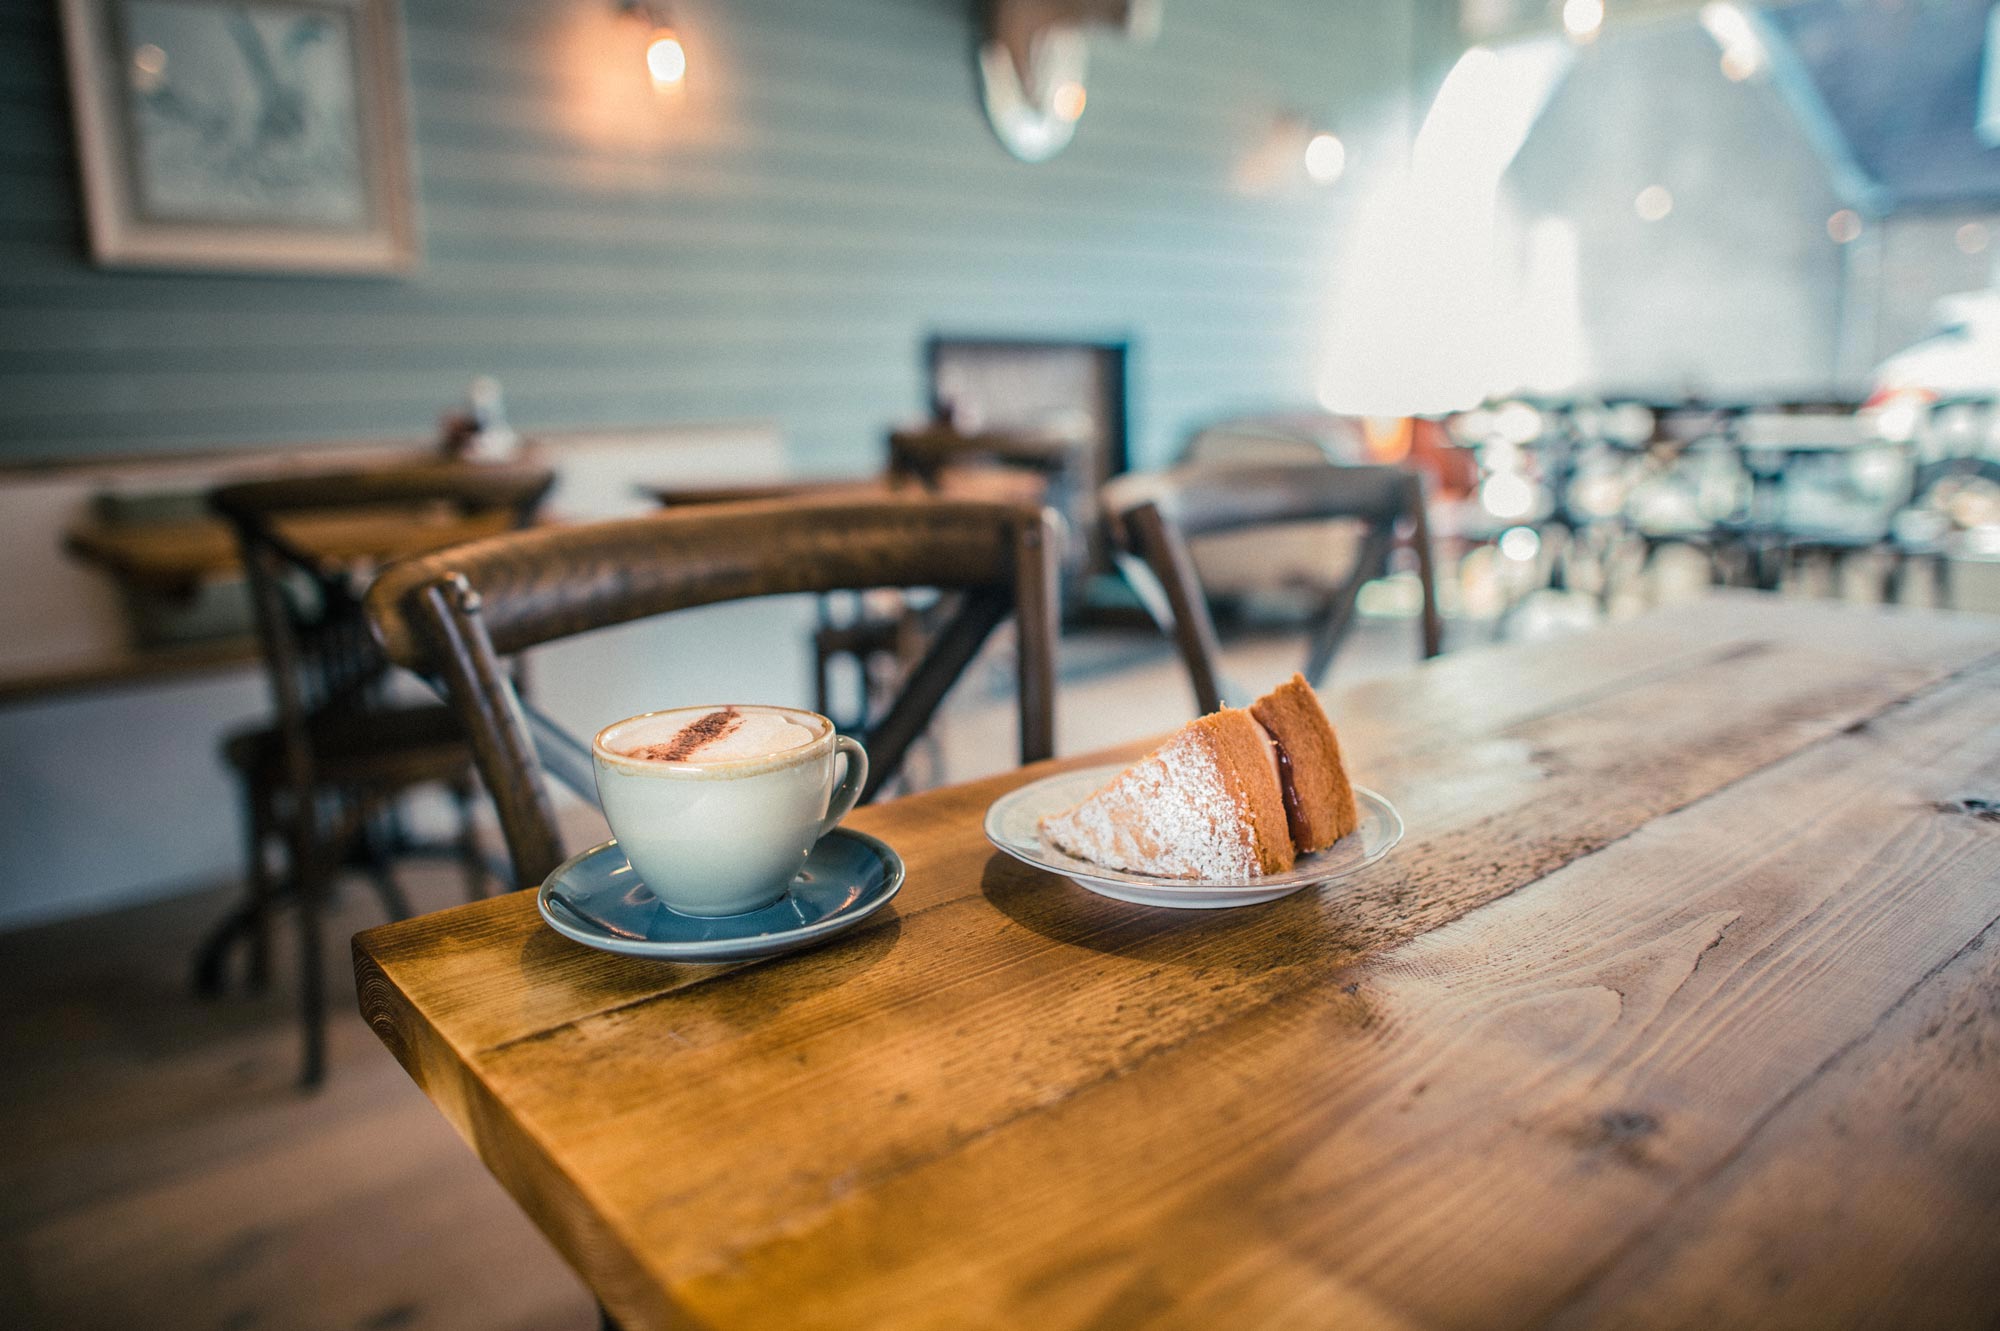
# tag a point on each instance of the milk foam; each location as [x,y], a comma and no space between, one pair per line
[749,733]
[759,733]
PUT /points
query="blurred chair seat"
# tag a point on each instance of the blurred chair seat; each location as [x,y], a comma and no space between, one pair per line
[1250,566]
[1154,515]
[375,748]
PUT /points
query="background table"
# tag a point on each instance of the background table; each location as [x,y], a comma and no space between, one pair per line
[1680,1006]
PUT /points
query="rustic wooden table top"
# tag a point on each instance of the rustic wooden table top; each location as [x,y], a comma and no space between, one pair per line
[1679,1006]
[174,556]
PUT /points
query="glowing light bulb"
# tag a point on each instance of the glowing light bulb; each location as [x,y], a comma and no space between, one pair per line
[1844,226]
[1069,99]
[1582,18]
[1505,494]
[1326,158]
[1520,544]
[666,59]
[1654,203]
[1743,53]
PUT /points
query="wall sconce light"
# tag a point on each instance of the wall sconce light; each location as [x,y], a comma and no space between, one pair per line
[1326,158]
[1293,146]
[666,58]
[1032,65]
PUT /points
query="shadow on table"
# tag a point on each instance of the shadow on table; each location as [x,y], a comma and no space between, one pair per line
[1302,929]
[603,980]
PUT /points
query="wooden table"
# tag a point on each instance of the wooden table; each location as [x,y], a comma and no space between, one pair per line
[173,557]
[1679,1006]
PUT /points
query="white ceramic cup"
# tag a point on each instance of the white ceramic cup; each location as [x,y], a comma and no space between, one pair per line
[726,835]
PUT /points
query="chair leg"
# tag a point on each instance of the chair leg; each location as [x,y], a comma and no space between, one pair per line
[211,962]
[1941,581]
[310,890]
[376,857]
[469,857]
[1431,626]
[252,920]
[264,889]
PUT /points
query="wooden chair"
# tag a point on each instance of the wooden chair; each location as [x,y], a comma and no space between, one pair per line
[452,616]
[324,780]
[1153,516]
[1057,472]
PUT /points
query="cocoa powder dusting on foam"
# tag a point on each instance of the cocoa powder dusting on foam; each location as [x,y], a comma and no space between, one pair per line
[693,737]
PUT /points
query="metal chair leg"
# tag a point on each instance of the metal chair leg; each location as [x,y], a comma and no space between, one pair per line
[263,888]
[310,891]
[252,920]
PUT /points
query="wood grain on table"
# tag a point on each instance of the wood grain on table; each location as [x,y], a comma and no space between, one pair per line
[174,557]
[1680,1005]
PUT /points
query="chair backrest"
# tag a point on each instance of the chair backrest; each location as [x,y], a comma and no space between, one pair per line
[1300,436]
[927,452]
[308,541]
[1057,471]
[452,616]
[1153,515]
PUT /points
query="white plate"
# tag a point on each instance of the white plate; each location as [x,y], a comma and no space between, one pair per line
[1011,824]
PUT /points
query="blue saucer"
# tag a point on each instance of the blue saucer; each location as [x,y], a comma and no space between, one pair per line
[596,899]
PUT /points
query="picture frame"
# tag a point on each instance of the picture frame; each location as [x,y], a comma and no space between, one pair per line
[243,135]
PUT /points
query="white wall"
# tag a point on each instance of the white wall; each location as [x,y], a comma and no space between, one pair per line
[1738,289]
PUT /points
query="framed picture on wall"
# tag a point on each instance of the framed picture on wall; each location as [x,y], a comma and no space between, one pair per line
[259,135]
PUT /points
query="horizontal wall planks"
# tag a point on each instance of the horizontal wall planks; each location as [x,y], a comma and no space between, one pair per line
[775,245]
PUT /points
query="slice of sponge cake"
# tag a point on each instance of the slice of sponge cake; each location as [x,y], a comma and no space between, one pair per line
[1319,803]
[1237,794]
[1206,804]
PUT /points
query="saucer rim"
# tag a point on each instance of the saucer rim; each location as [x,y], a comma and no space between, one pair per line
[747,947]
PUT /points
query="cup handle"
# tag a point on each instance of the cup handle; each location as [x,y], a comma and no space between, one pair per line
[848,792]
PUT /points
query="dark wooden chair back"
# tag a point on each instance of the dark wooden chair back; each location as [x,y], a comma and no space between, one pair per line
[455,615]
[925,453]
[316,644]
[1057,472]
[1153,515]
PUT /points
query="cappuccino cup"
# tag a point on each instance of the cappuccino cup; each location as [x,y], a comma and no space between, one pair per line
[717,808]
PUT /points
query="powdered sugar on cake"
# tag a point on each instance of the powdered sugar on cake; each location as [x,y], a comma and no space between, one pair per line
[1171,815]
